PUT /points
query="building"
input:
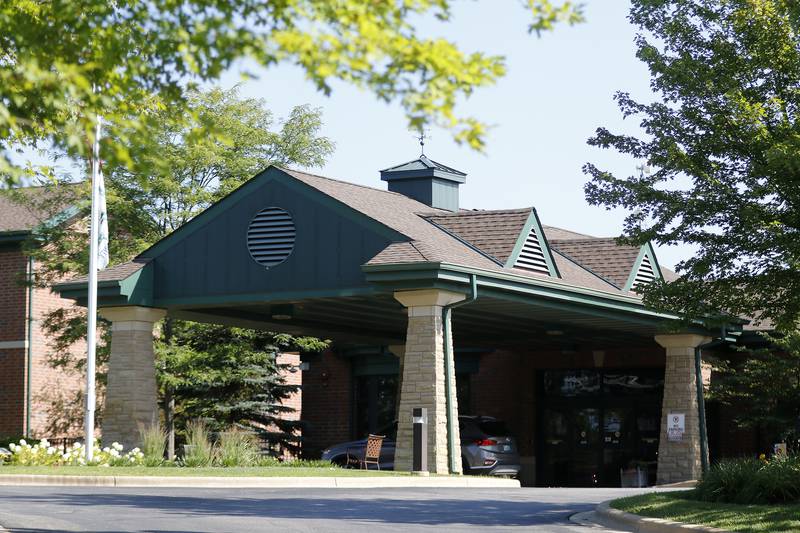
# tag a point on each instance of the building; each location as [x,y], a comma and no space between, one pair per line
[30,387]
[428,305]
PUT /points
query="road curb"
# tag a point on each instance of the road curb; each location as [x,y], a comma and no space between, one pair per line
[355,482]
[610,517]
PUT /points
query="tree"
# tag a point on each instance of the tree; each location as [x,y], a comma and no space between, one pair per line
[191,173]
[723,142]
[229,376]
[64,63]
[744,379]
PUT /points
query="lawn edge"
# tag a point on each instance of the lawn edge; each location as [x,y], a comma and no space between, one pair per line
[257,482]
[615,518]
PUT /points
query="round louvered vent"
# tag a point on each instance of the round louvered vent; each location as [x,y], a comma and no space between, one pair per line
[270,236]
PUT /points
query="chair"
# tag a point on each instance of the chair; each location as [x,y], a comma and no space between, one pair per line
[372,453]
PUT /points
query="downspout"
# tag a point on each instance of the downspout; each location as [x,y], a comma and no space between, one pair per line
[701,402]
[29,369]
[449,369]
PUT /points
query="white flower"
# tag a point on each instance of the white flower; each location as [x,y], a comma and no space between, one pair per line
[51,450]
[22,442]
[117,446]
[135,450]
[45,443]
[77,445]
[133,459]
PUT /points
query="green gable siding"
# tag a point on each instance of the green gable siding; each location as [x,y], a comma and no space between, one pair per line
[329,249]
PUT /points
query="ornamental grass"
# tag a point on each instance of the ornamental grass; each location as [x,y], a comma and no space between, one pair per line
[752,481]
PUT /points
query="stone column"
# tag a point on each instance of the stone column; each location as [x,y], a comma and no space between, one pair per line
[680,460]
[131,391]
[423,380]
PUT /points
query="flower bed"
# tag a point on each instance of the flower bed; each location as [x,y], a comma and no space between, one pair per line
[43,454]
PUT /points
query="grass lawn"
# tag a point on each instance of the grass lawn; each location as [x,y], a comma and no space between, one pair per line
[733,517]
[264,471]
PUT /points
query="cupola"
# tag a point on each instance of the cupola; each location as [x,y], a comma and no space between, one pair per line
[426,181]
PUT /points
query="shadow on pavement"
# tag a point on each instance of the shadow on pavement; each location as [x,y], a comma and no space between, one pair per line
[434,511]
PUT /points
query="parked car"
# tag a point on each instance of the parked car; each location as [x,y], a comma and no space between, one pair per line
[487,448]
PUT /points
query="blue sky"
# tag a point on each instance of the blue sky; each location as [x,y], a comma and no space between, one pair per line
[558,89]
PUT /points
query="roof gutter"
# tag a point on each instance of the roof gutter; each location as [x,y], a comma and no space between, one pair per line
[701,402]
[29,357]
[453,447]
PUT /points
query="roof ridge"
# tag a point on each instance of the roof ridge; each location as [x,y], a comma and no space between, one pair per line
[590,239]
[287,169]
[475,212]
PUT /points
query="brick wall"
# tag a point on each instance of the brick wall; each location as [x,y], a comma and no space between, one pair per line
[13,305]
[326,403]
[47,383]
[293,376]
[53,389]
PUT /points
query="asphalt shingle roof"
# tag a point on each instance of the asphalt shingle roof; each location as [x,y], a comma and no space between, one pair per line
[602,256]
[477,239]
[494,232]
[25,208]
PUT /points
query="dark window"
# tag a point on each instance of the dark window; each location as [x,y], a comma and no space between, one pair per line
[376,397]
[493,428]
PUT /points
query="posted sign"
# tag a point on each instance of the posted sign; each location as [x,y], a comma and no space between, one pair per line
[676,426]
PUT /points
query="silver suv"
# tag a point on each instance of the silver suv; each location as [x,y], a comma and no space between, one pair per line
[487,448]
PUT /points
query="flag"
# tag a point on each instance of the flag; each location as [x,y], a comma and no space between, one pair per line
[102,226]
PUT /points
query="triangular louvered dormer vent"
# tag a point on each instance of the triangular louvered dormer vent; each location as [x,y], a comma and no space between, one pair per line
[645,274]
[531,256]
[270,236]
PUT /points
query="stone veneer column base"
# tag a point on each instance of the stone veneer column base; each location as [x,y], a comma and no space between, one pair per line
[680,461]
[131,393]
[423,379]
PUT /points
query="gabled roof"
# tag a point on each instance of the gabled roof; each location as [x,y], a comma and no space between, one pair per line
[494,232]
[24,209]
[490,241]
[603,256]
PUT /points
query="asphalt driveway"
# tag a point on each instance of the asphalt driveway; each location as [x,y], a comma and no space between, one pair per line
[40,509]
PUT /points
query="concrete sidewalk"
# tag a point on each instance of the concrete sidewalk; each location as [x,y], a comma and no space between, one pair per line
[259,482]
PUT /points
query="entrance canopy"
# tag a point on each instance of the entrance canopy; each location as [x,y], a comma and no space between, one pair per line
[290,251]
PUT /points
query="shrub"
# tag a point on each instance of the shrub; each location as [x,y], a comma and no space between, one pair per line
[42,454]
[154,444]
[752,481]
[237,448]
[198,450]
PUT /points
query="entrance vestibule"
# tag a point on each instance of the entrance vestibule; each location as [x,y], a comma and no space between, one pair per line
[595,422]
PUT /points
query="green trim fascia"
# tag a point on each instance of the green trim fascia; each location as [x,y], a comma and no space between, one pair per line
[270,174]
[648,251]
[515,283]
[264,297]
[14,236]
[136,289]
[59,218]
[534,223]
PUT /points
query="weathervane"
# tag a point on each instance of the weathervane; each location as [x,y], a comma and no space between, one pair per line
[421,135]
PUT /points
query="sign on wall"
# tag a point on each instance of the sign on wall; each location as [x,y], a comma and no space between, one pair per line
[676,426]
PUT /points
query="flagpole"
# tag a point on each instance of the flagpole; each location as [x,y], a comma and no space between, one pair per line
[91,335]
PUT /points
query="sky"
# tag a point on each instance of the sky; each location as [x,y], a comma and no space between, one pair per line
[558,89]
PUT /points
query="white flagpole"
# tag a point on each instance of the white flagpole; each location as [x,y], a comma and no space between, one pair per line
[91,336]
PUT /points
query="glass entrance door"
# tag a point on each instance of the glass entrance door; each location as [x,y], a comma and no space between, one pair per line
[594,423]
